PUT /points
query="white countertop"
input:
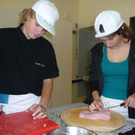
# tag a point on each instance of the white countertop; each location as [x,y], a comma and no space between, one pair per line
[55,115]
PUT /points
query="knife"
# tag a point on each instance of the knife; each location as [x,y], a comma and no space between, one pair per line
[122,104]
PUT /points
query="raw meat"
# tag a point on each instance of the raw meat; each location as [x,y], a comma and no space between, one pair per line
[96,115]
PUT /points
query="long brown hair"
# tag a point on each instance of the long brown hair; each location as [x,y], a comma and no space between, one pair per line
[125,31]
[27,13]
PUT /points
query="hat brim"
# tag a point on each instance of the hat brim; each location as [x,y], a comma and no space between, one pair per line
[45,24]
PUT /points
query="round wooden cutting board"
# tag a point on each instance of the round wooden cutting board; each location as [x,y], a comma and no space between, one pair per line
[71,117]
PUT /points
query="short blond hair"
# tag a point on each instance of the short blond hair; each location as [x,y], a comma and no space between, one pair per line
[25,13]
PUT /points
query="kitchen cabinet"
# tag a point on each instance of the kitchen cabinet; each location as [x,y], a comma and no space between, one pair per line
[62,43]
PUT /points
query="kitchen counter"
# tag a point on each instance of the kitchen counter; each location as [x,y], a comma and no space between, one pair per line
[55,115]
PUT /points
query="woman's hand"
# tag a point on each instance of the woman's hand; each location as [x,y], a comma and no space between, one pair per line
[130,101]
[39,111]
[96,105]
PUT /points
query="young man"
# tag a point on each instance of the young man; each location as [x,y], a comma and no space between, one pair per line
[28,62]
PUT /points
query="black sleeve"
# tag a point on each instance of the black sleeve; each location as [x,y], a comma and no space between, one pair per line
[95,74]
[52,67]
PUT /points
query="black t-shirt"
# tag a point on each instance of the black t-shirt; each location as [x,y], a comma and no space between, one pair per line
[24,63]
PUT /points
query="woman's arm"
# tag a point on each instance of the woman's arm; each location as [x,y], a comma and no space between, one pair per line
[130,101]
[97,103]
[95,86]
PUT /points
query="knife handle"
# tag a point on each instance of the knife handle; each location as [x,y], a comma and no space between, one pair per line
[122,104]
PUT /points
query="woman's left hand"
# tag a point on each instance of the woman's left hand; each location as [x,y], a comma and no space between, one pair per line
[130,101]
[39,111]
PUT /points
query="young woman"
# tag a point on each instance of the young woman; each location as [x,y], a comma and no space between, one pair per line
[28,62]
[112,74]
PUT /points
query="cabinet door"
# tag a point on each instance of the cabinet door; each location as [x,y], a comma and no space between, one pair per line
[62,43]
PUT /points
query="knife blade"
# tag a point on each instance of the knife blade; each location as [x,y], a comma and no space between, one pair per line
[122,104]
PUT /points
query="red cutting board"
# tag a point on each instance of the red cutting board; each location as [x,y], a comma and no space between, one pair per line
[22,123]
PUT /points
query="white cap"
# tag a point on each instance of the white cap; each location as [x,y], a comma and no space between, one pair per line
[110,21]
[46,14]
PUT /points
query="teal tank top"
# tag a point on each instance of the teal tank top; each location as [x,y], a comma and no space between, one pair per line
[115,78]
